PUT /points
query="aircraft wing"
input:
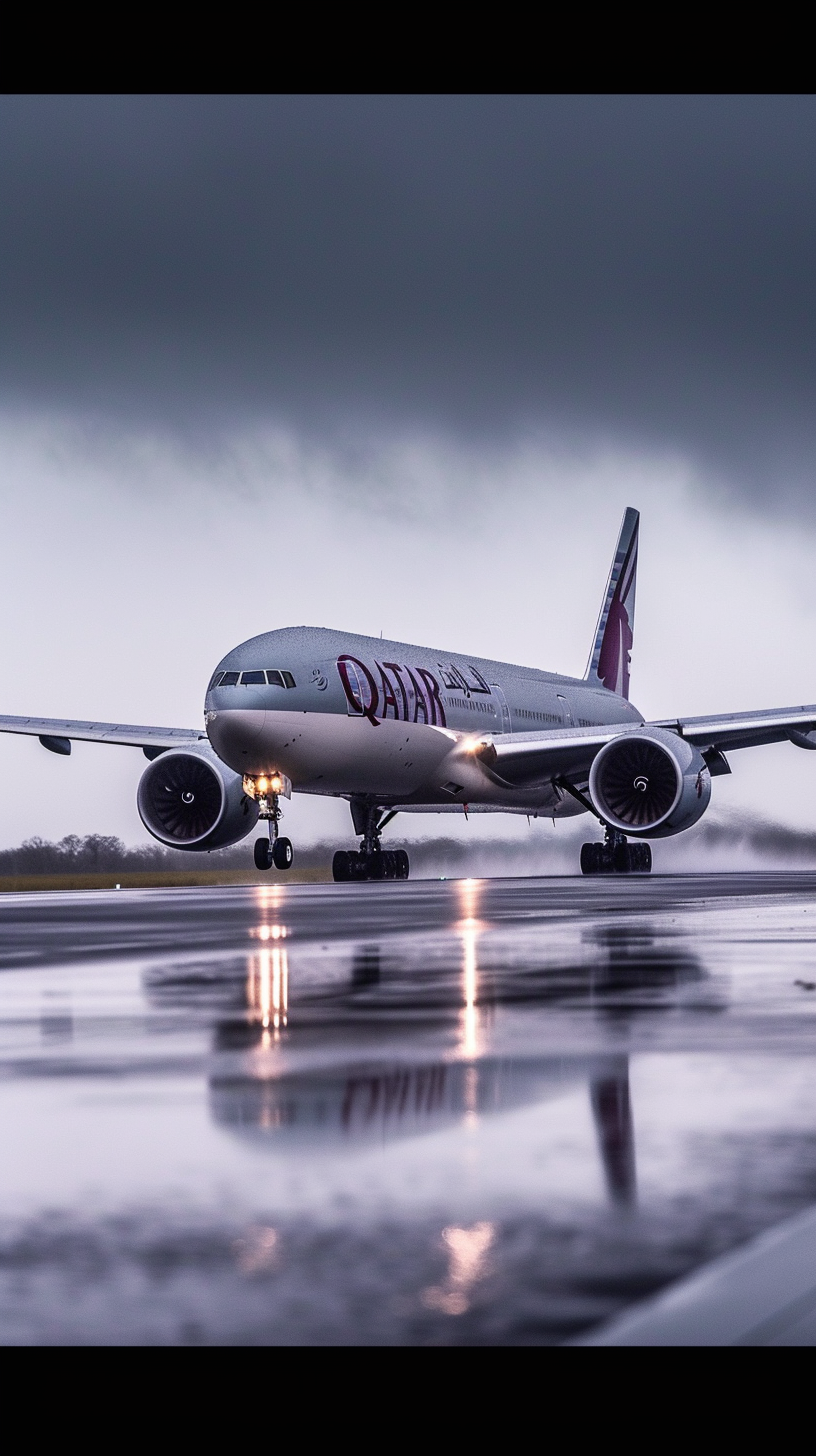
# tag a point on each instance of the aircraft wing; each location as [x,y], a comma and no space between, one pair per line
[60,731]
[747,730]
[527,758]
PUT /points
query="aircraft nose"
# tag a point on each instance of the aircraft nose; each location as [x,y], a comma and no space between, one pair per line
[234,732]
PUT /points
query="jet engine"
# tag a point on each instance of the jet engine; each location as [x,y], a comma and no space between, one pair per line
[650,783]
[189,799]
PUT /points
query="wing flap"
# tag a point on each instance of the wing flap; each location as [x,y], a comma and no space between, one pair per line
[129,735]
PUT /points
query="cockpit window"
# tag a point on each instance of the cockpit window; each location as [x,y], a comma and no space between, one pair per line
[276,676]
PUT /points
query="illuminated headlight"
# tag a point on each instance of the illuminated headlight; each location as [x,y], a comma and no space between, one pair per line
[259,786]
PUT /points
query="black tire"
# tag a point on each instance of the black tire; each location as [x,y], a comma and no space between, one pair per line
[623,859]
[263,856]
[403,864]
[376,868]
[389,864]
[641,858]
[340,866]
[591,859]
[282,854]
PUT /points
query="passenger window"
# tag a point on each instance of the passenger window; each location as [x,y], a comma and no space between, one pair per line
[252,677]
[228,679]
[275,678]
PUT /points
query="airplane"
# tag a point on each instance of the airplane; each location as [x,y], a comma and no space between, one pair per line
[395,728]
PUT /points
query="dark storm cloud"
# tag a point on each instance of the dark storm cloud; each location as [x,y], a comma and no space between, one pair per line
[639,269]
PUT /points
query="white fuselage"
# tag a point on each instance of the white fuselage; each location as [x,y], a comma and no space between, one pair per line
[346,715]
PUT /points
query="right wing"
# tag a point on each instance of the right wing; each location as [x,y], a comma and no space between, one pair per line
[60,731]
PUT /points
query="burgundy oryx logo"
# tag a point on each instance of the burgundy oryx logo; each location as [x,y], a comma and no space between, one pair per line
[391,690]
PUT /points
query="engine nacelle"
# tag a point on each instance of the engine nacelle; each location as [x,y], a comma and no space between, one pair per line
[189,799]
[650,782]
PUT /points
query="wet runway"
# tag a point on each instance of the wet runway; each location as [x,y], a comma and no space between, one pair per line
[433,1113]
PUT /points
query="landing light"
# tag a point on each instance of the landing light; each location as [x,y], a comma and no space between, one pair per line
[260,786]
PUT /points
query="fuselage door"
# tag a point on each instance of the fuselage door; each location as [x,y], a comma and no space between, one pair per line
[498,694]
[566,711]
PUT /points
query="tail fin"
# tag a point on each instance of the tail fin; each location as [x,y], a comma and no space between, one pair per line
[609,662]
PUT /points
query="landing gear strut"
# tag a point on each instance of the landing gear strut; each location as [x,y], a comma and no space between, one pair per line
[276,850]
[371,861]
[616,856]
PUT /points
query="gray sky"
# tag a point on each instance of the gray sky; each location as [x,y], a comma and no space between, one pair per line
[400,363]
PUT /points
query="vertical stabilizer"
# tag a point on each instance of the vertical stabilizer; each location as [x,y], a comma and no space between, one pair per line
[609,661]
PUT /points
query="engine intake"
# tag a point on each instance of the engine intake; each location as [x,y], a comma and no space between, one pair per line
[650,783]
[189,799]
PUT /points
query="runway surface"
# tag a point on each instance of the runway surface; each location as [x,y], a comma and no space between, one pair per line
[432,1113]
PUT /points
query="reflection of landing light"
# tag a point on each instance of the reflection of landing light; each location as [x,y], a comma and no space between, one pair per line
[269,932]
[257,1251]
[469,928]
[467,1259]
[269,897]
[268,984]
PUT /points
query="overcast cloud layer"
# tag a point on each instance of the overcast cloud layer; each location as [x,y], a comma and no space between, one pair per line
[399,365]
[634,270]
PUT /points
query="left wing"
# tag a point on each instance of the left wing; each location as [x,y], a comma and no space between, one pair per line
[57,733]
[747,730]
[528,758]
[531,757]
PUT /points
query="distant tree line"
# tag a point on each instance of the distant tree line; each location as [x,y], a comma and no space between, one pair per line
[544,852]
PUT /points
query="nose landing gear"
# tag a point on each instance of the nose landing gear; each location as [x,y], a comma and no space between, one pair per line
[277,852]
[267,790]
[616,856]
[371,862]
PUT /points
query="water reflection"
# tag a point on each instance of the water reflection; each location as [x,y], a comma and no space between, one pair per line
[468,928]
[366,967]
[268,989]
[284,1073]
[467,1250]
[612,1115]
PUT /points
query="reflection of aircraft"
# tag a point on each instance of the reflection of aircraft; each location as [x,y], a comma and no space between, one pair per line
[366,1104]
[611,1108]
[255,1093]
[280,1071]
[392,727]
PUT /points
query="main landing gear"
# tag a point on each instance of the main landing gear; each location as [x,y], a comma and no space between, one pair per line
[616,856]
[371,861]
[276,850]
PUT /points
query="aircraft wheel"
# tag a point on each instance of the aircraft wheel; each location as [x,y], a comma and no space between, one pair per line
[282,854]
[341,869]
[263,854]
[403,865]
[641,858]
[592,859]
